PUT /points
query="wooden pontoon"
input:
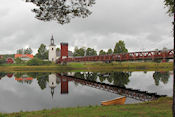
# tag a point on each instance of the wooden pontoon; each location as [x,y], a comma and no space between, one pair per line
[120,100]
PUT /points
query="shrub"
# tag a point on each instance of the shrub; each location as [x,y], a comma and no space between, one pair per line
[2,61]
[36,62]
[18,61]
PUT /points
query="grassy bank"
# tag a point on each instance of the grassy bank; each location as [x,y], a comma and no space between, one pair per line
[159,108]
[91,66]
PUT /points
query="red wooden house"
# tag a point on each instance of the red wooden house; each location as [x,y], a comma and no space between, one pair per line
[9,60]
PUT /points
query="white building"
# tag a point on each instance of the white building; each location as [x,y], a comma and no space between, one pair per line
[52,83]
[52,51]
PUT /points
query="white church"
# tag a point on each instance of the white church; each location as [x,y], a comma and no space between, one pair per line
[53,53]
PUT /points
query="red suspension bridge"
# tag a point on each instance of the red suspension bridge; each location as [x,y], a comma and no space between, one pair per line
[132,56]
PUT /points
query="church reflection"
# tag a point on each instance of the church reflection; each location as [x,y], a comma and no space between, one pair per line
[54,79]
[113,82]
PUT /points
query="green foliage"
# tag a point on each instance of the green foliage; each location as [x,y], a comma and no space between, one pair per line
[91,52]
[109,51]
[2,61]
[42,52]
[161,76]
[102,52]
[36,62]
[58,49]
[28,51]
[79,52]
[61,10]
[2,74]
[170,5]
[24,51]
[19,51]
[18,61]
[120,48]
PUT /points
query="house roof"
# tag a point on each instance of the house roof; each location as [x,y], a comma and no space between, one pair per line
[23,55]
[28,78]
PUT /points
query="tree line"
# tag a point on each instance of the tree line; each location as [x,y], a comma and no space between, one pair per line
[119,48]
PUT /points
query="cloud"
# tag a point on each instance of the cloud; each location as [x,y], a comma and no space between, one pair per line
[133,21]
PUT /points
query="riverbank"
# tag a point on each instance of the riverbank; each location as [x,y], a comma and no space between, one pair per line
[158,108]
[92,66]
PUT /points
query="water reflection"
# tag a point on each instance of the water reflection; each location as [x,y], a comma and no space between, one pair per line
[161,76]
[47,90]
[116,78]
[61,10]
[119,80]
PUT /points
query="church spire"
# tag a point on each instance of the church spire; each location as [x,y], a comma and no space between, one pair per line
[52,41]
[52,92]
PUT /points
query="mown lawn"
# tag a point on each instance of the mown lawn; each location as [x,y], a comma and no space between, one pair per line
[93,66]
[159,108]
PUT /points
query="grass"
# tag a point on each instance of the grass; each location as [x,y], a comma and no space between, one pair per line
[158,108]
[92,66]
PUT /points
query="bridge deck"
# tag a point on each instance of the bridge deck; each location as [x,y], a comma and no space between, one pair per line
[146,55]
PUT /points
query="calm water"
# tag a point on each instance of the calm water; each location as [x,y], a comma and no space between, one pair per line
[36,91]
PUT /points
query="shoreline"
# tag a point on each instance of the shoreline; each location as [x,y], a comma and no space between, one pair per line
[101,67]
[160,107]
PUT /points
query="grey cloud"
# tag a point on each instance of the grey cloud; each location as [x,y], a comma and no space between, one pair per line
[134,22]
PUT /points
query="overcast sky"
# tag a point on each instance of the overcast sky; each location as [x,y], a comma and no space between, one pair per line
[141,24]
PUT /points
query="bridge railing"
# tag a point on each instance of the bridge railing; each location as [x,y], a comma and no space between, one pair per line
[145,55]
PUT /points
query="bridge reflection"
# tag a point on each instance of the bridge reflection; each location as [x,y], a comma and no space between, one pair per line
[116,84]
[128,92]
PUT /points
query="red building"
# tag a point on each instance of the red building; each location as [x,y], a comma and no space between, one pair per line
[9,75]
[64,50]
[64,85]
[9,60]
[1,56]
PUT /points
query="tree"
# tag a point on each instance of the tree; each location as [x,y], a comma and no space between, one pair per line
[61,10]
[109,51]
[58,49]
[28,51]
[18,60]
[102,52]
[161,76]
[20,51]
[170,5]
[79,52]
[120,48]
[91,52]
[24,51]
[120,78]
[42,52]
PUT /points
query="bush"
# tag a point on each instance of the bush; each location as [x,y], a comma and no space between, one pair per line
[18,61]
[2,61]
[36,62]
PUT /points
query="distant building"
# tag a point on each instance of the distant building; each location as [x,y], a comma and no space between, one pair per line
[52,51]
[9,60]
[54,54]
[9,75]
[24,57]
[1,57]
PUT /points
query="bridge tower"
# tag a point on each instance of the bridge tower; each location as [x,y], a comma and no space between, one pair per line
[52,50]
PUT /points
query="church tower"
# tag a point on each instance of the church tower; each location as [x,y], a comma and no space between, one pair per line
[52,50]
[52,83]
